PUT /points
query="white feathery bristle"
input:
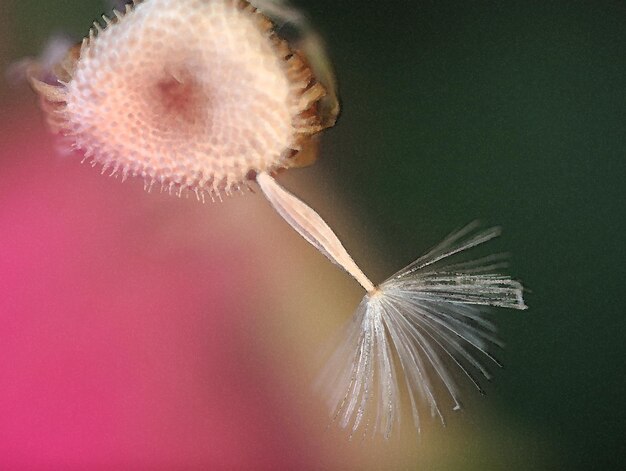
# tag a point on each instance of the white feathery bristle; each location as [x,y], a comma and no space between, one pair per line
[405,335]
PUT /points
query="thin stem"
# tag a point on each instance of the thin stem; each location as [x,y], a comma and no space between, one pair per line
[312,227]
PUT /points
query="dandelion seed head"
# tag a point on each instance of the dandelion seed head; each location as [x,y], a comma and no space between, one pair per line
[195,93]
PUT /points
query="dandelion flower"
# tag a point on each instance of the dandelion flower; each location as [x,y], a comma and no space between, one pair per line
[203,96]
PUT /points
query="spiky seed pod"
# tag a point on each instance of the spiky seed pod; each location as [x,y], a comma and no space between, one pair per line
[186,93]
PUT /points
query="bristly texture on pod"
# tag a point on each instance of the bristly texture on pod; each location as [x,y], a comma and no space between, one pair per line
[420,323]
[188,94]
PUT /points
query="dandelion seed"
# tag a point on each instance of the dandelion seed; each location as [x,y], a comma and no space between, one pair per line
[428,315]
[204,96]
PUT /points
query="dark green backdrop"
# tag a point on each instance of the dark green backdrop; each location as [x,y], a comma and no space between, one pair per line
[511,112]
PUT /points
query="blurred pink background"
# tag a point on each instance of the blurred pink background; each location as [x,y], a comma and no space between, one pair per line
[129,324]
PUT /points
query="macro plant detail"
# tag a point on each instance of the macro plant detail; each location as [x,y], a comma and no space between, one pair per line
[204,96]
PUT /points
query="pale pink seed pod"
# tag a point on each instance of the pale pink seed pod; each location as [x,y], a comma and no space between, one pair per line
[190,94]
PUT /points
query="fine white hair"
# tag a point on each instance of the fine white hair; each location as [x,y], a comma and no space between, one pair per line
[420,322]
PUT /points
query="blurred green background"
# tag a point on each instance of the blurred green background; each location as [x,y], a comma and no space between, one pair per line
[510,112]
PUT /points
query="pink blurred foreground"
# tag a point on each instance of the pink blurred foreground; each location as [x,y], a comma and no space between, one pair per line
[126,338]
